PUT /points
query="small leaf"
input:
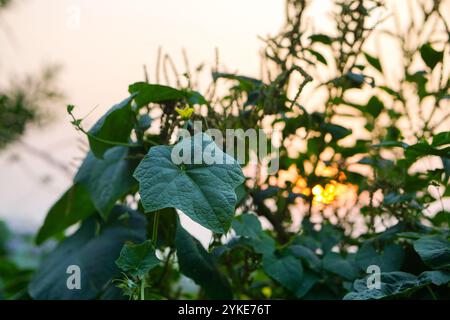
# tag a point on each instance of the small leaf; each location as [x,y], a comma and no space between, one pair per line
[206,193]
[430,56]
[75,205]
[137,259]
[318,56]
[197,264]
[247,225]
[338,132]
[374,106]
[153,93]
[374,62]
[322,38]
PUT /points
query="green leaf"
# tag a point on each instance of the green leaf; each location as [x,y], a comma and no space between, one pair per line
[434,251]
[389,258]
[94,249]
[374,106]
[154,93]
[322,38]
[196,263]
[430,56]
[247,225]
[137,259]
[338,132]
[109,179]
[264,244]
[287,271]
[204,192]
[393,284]
[114,127]
[308,281]
[437,278]
[306,255]
[75,205]
[318,56]
[387,144]
[441,139]
[374,62]
[334,263]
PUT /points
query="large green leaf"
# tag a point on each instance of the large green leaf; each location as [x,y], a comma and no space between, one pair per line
[94,249]
[196,263]
[153,93]
[306,255]
[205,192]
[397,285]
[434,251]
[114,127]
[75,205]
[287,271]
[109,179]
[137,259]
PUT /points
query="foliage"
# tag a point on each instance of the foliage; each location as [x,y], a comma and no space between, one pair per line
[349,199]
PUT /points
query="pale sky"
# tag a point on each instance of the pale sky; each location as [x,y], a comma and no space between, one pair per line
[100,59]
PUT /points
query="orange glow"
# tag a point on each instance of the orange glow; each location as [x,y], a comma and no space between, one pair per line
[328,194]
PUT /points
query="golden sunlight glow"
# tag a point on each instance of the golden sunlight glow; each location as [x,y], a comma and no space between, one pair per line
[327,195]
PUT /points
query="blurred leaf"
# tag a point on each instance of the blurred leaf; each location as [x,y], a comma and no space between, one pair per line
[430,56]
[94,249]
[374,62]
[197,264]
[75,205]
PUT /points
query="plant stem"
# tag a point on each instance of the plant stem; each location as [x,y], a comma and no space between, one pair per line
[155,229]
[433,295]
[143,288]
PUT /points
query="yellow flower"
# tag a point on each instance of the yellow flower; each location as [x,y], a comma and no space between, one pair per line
[185,113]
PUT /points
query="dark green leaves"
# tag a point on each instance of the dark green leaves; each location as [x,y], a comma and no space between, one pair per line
[374,62]
[430,56]
[196,263]
[73,206]
[94,249]
[153,93]
[322,38]
[112,129]
[374,106]
[137,259]
[335,263]
[288,271]
[434,251]
[107,180]
[337,132]
[206,193]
